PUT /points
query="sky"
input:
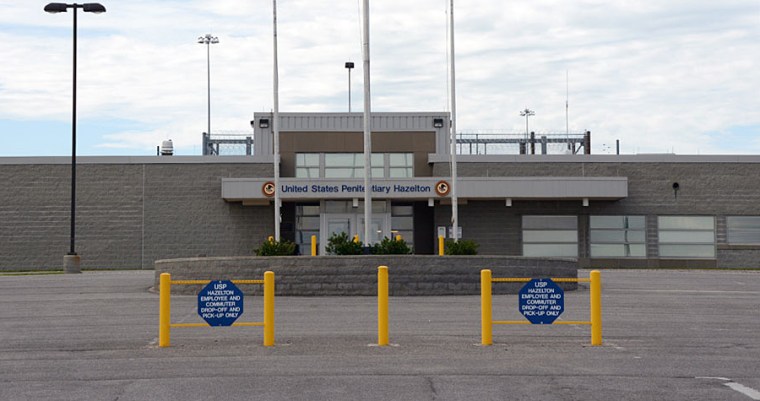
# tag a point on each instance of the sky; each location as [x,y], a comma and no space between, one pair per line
[676,76]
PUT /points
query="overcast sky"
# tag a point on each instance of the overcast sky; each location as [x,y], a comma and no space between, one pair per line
[678,76]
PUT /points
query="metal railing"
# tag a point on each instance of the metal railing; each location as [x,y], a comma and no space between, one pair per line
[487,322]
[164,314]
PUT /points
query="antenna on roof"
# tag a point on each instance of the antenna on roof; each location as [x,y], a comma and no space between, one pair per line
[567,103]
[567,113]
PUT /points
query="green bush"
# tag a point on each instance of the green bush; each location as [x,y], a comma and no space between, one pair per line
[270,247]
[461,247]
[341,244]
[391,246]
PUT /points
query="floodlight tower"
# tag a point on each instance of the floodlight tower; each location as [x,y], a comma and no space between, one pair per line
[208,40]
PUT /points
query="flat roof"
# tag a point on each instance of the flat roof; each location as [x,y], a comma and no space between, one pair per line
[433,158]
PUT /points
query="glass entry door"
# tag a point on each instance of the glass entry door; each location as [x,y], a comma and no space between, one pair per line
[352,224]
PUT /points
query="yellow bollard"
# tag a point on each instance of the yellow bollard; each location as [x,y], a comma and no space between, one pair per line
[398,237]
[382,305]
[356,238]
[268,309]
[440,246]
[596,307]
[486,317]
[164,309]
[270,238]
[313,245]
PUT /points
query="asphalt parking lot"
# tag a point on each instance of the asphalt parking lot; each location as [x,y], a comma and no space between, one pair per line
[675,335]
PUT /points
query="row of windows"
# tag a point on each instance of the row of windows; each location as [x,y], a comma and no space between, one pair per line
[625,236]
[351,165]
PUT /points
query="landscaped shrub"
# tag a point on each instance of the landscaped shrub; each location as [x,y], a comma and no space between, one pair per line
[391,246]
[341,244]
[270,247]
[461,247]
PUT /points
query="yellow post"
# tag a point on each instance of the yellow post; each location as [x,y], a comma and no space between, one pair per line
[486,317]
[313,245]
[268,309]
[596,307]
[164,309]
[270,238]
[356,238]
[440,245]
[382,305]
[398,237]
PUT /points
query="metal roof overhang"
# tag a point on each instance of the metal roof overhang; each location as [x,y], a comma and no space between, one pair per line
[251,190]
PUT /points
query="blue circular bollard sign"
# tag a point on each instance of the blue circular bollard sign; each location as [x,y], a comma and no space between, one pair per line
[220,303]
[542,301]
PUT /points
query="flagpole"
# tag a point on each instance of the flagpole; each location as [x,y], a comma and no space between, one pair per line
[367,128]
[276,129]
[454,199]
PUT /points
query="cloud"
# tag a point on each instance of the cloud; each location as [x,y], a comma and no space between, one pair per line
[655,75]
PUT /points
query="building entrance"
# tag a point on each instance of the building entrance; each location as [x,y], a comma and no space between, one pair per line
[343,216]
[329,217]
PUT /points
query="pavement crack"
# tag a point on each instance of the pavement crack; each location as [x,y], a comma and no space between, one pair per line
[431,385]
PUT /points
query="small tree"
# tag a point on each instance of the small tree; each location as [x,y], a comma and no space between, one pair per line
[461,247]
[340,244]
[270,247]
[391,246]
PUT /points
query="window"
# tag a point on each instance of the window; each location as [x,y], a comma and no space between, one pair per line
[618,236]
[402,222]
[549,236]
[686,236]
[400,165]
[743,230]
[351,165]
[307,224]
[307,165]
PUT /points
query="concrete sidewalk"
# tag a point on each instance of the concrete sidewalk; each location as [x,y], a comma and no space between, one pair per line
[676,335]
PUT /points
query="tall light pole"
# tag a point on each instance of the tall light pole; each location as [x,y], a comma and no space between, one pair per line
[527,113]
[208,40]
[349,67]
[71,261]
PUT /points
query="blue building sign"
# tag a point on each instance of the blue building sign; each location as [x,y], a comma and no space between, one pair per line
[220,303]
[541,301]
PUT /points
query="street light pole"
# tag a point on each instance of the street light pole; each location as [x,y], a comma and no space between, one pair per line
[71,261]
[349,67]
[527,113]
[208,40]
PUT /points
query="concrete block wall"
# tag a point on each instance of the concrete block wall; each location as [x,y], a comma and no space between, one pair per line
[130,212]
[717,189]
[347,275]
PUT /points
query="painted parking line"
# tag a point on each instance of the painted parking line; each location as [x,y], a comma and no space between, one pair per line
[683,291]
[738,387]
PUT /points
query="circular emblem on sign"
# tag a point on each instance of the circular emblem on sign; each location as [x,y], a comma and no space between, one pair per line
[442,188]
[268,189]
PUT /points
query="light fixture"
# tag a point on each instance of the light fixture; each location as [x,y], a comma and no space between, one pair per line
[264,123]
[54,8]
[96,8]
[438,122]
